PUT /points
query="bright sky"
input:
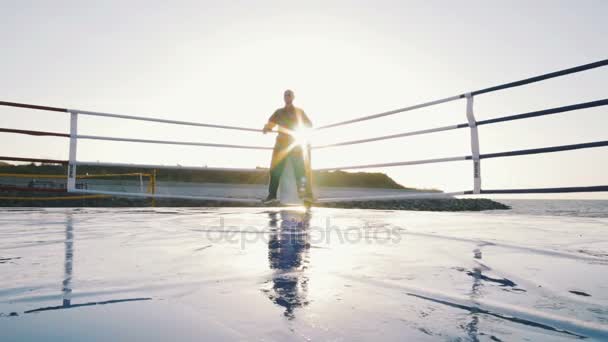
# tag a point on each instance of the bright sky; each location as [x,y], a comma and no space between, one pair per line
[228,62]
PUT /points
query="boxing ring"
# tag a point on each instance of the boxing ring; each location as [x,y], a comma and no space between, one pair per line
[474,156]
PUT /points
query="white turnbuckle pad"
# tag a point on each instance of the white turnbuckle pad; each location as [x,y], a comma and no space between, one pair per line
[288,188]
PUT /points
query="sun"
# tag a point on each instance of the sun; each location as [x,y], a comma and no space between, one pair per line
[301,136]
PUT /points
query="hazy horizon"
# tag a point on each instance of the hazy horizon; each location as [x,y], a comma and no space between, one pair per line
[225,63]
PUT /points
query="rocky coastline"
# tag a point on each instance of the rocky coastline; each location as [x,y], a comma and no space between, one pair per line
[437,204]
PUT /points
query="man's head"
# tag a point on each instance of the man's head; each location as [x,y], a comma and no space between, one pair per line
[288,96]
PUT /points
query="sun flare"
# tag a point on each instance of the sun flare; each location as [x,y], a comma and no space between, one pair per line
[302,136]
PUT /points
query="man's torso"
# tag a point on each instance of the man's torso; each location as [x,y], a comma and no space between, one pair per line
[286,118]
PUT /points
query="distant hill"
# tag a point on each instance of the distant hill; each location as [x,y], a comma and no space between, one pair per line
[321,178]
[356,180]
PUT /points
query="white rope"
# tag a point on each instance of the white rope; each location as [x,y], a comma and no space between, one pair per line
[400,110]
[414,162]
[172,167]
[146,195]
[391,197]
[174,122]
[168,142]
[392,136]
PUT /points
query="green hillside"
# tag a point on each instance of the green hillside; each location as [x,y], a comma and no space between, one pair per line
[321,178]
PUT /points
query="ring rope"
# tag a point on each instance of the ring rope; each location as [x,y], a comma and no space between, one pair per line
[481,156]
[31,106]
[35,160]
[173,122]
[364,118]
[392,112]
[472,124]
[527,115]
[122,116]
[165,142]
[172,167]
[52,198]
[543,77]
[544,150]
[168,142]
[392,136]
[404,163]
[597,188]
[36,133]
[476,92]
[30,175]
[543,112]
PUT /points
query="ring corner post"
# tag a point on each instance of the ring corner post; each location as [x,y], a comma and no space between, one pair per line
[288,193]
[71,183]
[474,144]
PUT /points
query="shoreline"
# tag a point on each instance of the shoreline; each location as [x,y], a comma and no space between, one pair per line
[438,204]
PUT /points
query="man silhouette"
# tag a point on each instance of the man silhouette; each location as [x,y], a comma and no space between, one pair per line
[289,120]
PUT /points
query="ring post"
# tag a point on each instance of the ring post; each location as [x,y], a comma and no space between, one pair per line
[71,186]
[474,145]
[288,185]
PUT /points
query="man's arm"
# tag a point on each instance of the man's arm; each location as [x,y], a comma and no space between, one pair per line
[268,127]
[305,120]
[271,123]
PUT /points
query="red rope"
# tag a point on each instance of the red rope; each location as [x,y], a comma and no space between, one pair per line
[30,106]
[37,133]
[35,160]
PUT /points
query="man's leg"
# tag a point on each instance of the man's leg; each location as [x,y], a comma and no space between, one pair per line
[308,171]
[276,170]
[297,158]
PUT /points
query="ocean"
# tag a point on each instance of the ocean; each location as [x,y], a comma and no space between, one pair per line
[537,272]
[574,208]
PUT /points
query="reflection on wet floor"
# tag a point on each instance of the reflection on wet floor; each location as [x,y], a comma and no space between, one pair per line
[69,261]
[472,327]
[288,257]
[68,274]
[7,260]
[436,280]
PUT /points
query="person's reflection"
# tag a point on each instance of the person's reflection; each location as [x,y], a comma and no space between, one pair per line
[288,256]
[66,288]
[68,262]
